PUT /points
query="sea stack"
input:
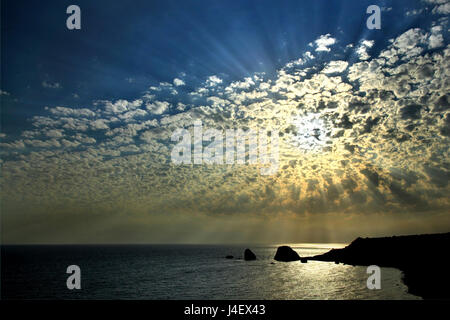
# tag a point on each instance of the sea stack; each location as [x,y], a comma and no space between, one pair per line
[286,254]
[249,255]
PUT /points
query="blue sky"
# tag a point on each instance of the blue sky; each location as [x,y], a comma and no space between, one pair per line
[87,117]
[123,49]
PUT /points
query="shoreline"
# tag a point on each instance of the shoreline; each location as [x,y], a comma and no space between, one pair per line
[419,257]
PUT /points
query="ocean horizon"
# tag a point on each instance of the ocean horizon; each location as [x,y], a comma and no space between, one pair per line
[187,271]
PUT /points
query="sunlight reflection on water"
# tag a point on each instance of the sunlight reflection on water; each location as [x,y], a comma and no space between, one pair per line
[187,272]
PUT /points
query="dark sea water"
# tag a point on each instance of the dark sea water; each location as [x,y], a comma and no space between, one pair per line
[185,272]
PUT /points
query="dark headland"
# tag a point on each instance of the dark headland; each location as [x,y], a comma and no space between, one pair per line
[423,259]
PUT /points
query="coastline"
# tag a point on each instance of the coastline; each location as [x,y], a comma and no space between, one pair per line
[421,258]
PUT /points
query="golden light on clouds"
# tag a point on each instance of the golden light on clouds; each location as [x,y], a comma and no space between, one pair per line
[363,149]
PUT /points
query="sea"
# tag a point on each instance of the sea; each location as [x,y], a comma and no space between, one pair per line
[165,272]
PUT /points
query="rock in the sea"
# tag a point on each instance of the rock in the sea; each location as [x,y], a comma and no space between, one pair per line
[286,254]
[229,257]
[249,255]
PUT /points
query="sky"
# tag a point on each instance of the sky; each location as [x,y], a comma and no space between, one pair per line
[87,118]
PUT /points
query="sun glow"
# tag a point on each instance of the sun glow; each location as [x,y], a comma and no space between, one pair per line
[310,132]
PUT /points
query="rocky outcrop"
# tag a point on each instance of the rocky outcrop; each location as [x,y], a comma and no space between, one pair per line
[249,255]
[286,254]
[420,257]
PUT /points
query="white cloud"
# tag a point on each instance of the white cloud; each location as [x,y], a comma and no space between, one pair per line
[63,111]
[335,67]
[158,107]
[368,43]
[442,9]
[213,81]
[410,43]
[122,105]
[442,6]
[246,84]
[181,106]
[133,114]
[363,47]
[324,42]
[178,82]
[308,55]
[436,39]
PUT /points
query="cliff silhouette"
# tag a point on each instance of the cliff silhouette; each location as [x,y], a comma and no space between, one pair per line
[421,258]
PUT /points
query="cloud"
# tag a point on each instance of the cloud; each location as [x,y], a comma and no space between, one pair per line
[356,138]
[410,42]
[362,49]
[335,67]
[436,39]
[324,42]
[158,107]
[440,6]
[121,105]
[99,124]
[18,144]
[308,55]
[55,133]
[64,111]
[178,82]
[213,81]
[130,115]
[442,9]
